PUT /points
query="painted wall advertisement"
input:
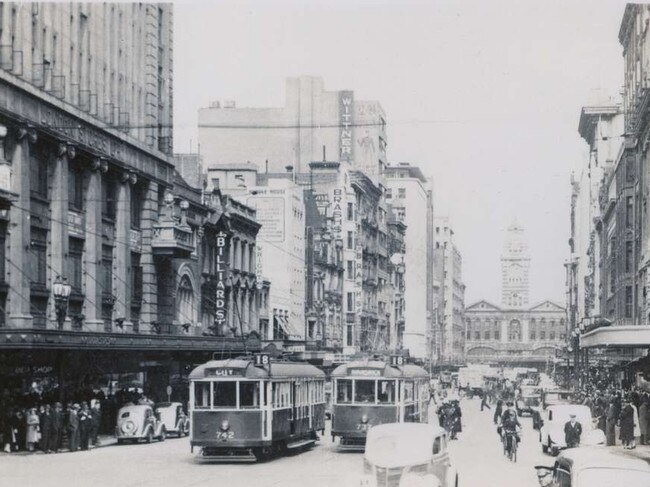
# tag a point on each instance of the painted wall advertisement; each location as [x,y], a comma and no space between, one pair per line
[337,213]
[221,309]
[346,125]
[270,213]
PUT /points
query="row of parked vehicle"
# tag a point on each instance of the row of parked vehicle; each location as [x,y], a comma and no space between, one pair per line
[145,422]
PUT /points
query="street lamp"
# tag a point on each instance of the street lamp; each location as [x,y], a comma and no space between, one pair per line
[61,290]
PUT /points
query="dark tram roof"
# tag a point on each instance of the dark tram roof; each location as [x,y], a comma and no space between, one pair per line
[247,370]
[386,370]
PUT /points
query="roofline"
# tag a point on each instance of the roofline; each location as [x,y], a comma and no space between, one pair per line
[589,117]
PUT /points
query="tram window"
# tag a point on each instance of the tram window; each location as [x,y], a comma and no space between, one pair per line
[249,394]
[201,395]
[364,391]
[344,391]
[386,392]
[225,395]
[437,445]
[408,391]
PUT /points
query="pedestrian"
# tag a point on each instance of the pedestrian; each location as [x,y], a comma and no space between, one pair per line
[484,401]
[643,412]
[498,411]
[73,428]
[637,428]
[96,415]
[56,428]
[611,416]
[33,436]
[85,425]
[19,430]
[572,432]
[627,424]
[46,428]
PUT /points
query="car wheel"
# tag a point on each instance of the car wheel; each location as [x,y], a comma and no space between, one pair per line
[149,437]
[163,434]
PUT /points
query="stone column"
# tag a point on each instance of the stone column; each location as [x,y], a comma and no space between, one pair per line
[122,260]
[59,222]
[255,319]
[149,309]
[504,331]
[92,307]
[18,299]
[231,309]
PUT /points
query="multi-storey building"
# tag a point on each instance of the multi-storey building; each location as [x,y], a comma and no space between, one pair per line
[448,263]
[396,271]
[514,332]
[89,196]
[312,122]
[280,210]
[410,199]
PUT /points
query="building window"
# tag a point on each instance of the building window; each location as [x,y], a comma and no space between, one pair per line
[532,335]
[106,281]
[629,256]
[542,335]
[486,335]
[75,188]
[137,200]
[350,302]
[75,255]
[350,240]
[477,335]
[38,174]
[401,193]
[350,212]
[629,211]
[514,331]
[109,198]
[38,257]
[350,269]
[497,331]
[186,309]
[389,193]
[349,336]
[628,301]
[551,335]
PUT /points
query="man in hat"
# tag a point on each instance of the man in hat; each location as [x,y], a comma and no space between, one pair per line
[572,432]
[73,428]
[56,433]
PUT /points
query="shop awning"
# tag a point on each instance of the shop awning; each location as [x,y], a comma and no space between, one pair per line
[625,336]
[288,328]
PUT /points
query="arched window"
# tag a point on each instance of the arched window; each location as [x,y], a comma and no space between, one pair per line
[532,330]
[185,302]
[514,331]
[542,329]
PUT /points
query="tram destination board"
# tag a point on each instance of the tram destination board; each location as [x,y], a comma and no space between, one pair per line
[367,372]
[222,372]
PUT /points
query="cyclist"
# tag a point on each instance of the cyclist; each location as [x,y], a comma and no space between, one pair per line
[509,426]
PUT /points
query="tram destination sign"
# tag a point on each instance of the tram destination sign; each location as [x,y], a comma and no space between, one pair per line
[365,372]
[223,372]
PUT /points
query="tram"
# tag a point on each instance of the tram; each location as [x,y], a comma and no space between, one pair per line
[247,409]
[371,392]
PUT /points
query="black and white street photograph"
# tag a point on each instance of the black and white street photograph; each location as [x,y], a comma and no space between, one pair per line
[325,243]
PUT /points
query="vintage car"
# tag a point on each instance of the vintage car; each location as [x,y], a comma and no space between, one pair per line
[530,403]
[173,418]
[551,434]
[138,422]
[594,467]
[408,455]
[550,397]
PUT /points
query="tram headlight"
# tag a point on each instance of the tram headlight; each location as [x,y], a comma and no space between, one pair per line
[225,425]
[364,419]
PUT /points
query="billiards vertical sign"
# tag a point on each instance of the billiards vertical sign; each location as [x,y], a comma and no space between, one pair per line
[346,124]
[221,310]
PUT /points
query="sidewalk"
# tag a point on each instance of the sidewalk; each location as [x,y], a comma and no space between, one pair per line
[102,441]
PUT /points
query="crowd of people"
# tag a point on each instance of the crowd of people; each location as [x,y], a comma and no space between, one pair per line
[38,422]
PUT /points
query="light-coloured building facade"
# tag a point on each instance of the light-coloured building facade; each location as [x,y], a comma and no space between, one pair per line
[314,124]
[514,332]
[408,195]
[280,247]
[450,294]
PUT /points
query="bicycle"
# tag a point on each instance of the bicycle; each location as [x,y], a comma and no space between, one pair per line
[511,452]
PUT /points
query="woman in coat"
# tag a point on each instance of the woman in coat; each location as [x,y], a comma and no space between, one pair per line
[32,435]
[627,425]
[643,412]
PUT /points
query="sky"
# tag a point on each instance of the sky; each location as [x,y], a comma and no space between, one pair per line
[484,96]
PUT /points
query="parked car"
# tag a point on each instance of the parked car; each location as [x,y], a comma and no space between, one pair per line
[138,422]
[408,454]
[173,418]
[550,397]
[551,434]
[594,467]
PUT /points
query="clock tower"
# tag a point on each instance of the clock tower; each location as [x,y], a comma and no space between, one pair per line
[515,264]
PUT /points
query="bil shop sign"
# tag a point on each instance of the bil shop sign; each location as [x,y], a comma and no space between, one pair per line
[221,273]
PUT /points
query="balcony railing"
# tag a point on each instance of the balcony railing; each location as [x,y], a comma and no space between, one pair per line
[172,239]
